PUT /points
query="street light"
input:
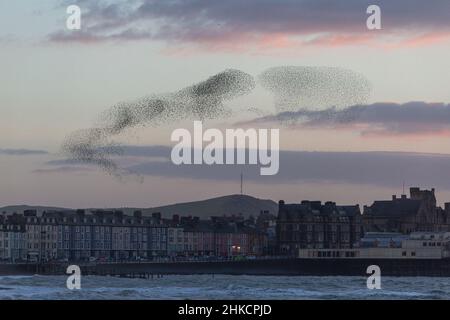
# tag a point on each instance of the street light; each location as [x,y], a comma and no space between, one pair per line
[235,249]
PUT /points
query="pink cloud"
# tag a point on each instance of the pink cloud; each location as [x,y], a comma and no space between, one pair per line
[427,39]
[386,119]
[256,26]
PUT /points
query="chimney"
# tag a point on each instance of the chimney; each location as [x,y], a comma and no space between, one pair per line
[156,215]
[118,214]
[414,191]
[403,196]
[30,213]
[447,206]
[394,197]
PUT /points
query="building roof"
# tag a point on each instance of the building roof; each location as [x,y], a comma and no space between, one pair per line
[395,207]
[316,208]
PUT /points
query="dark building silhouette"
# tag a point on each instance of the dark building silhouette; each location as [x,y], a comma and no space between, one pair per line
[419,212]
[312,224]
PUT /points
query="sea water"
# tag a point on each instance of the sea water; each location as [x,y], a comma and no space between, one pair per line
[223,287]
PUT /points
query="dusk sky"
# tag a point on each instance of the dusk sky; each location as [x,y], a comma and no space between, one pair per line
[55,81]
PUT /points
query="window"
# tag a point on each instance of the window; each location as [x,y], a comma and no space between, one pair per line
[404,253]
[413,253]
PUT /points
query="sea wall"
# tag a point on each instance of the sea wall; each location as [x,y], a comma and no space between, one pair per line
[286,267]
[276,267]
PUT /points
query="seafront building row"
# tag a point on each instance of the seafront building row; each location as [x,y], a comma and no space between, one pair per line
[111,235]
[313,225]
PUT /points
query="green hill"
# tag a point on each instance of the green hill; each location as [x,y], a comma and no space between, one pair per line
[226,205]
